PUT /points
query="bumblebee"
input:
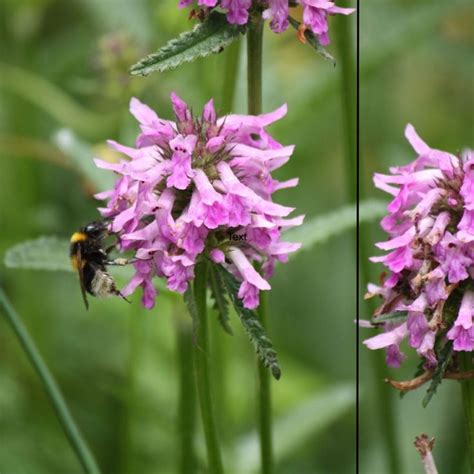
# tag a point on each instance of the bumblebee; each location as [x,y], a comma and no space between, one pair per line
[90,259]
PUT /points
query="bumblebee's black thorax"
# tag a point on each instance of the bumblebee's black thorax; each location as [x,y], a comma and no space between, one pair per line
[87,252]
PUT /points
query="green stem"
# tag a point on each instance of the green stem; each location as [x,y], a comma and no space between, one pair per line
[468,402]
[187,397]
[254,90]
[265,401]
[203,376]
[231,71]
[136,332]
[254,66]
[52,389]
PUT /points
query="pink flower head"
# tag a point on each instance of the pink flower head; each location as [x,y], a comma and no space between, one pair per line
[315,13]
[430,252]
[200,188]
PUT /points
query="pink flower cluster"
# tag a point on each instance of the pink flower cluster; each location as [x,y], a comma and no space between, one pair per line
[200,186]
[430,255]
[315,13]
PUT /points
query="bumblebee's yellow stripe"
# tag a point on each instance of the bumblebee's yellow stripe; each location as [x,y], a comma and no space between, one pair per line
[75,263]
[78,237]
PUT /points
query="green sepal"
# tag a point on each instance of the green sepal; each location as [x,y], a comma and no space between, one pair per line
[210,36]
[218,294]
[394,317]
[253,328]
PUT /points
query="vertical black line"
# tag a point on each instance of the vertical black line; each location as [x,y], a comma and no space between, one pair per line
[357,227]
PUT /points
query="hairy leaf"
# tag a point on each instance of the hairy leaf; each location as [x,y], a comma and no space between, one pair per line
[313,41]
[319,229]
[252,326]
[210,36]
[444,358]
[218,294]
[44,253]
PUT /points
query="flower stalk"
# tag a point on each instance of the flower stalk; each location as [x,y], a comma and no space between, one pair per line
[231,70]
[53,391]
[467,387]
[265,402]
[202,370]
[254,104]
[187,396]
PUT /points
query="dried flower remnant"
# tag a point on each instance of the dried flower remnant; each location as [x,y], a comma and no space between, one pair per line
[424,445]
[315,13]
[195,187]
[428,295]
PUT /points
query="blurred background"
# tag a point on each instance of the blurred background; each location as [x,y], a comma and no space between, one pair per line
[416,67]
[65,90]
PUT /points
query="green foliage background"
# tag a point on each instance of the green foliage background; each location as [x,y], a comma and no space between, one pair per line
[416,67]
[64,90]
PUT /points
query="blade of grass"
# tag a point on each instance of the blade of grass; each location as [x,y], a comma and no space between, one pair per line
[53,391]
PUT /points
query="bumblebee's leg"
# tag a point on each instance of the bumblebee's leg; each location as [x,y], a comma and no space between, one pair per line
[109,249]
[123,297]
[121,261]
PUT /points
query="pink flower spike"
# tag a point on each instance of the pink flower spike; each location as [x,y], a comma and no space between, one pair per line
[430,264]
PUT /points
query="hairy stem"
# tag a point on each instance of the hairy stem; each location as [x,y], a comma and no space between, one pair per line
[265,401]
[53,391]
[187,397]
[254,86]
[231,71]
[468,402]
[203,376]
[254,66]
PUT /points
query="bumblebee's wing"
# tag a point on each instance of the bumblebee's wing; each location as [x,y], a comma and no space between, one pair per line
[80,269]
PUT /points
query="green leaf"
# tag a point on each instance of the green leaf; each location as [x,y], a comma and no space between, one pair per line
[210,36]
[81,155]
[251,324]
[218,294]
[320,229]
[44,253]
[307,421]
[444,358]
[313,41]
